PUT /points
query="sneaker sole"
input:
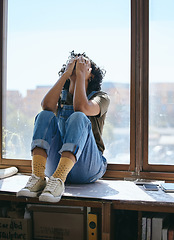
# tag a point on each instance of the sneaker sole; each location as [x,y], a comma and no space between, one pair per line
[27,193]
[47,197]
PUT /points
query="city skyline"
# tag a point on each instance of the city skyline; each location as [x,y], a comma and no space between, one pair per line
[21,111]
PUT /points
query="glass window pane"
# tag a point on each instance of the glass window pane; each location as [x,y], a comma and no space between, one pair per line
[161,87]
[40,36]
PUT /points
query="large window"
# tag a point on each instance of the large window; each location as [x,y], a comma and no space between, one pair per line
[40,35]
[161,79]
[132,40]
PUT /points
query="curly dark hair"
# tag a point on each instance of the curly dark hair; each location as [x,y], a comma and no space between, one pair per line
[97,74]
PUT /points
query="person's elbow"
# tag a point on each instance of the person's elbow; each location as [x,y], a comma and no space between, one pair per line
[47,106]
[80,108]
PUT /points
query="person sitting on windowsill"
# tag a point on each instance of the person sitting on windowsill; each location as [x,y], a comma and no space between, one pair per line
[67,140]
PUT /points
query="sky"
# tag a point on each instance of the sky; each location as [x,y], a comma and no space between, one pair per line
[41,34]
[161,39]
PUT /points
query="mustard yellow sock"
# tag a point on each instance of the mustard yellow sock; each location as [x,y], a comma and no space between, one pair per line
[64,167]
[38,165]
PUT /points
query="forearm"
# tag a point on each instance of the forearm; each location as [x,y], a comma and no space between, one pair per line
[80,100]
[50,100]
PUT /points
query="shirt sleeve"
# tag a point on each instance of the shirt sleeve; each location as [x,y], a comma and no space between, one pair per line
[103,101]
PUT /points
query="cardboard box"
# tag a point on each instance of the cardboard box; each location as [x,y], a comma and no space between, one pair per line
[15,229]
[60,223]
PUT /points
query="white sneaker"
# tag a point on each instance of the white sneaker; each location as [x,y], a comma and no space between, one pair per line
[53,190]
[33,188]
[7,172]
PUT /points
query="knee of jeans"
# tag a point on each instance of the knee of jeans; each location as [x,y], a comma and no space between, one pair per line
[78,119]
[79,116]
[45,114]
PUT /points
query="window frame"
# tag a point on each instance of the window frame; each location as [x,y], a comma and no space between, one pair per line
[139,88]
[22,165]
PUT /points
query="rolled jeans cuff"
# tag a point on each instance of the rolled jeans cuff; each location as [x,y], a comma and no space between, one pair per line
[41,144]
[71,147]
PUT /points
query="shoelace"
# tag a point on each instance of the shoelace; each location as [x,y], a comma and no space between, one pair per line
[32,180]
[52,184]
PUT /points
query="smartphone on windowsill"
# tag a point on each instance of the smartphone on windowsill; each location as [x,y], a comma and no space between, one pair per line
[150,187]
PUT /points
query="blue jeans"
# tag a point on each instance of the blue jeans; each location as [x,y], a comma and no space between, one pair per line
[69,131]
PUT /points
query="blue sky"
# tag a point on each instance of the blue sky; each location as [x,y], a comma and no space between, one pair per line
[42,14]
[41,34]
[161,10]
[161,38]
